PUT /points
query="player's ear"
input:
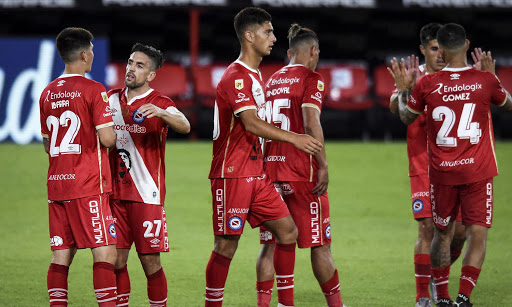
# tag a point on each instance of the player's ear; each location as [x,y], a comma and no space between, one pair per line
[249,36]
[422,49]
[151,76]
[467,44]
[289,54]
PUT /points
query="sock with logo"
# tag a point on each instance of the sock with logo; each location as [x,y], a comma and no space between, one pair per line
[331,290]
[57,282]
[104,280]
[264,292]
[468,277]
[157,288]
[284,264]
[422,273]
[441,277]
[123,286]
[216,275]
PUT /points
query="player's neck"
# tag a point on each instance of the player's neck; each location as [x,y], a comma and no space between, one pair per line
[457,61]
[74,68]
[137,91]
[250,58]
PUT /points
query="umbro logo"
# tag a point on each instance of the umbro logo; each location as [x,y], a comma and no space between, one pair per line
[454,77]
[155,241]
[61,82]
[58,294]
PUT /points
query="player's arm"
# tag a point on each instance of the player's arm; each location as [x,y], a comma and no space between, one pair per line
[393,103]
[107,136]
[46,144]
[404,81]
[508,103]
[171,116]
[312,126]
[256,126]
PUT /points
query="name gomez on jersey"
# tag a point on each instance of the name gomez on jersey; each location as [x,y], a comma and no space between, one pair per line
[290,89]
[459,124]
[237,153]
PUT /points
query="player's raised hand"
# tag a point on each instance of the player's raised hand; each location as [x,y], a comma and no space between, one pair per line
[413,64]
[487,63]
[150,110]
[477,57]
[323,181]
[306,143]
[404,77]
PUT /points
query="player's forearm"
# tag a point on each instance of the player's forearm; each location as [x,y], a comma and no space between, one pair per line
[177,122]
[393,103]
[508,103]
[46,144]
[267,131]
[406,116]
[108,136]
[314,129]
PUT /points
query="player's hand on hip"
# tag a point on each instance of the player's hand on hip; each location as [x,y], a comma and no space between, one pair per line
[307,143]
[323,182]
[150,110]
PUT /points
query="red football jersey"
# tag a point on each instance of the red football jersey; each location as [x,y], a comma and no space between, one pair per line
[290,89]
[237,153]
[459,126]
[138,168]
[72,108]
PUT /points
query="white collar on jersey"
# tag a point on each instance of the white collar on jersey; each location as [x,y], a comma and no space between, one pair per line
[457,69]
[136,97]
[70,75]
[247,66]
[294,65]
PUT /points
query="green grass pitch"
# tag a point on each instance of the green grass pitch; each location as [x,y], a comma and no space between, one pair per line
[372,229]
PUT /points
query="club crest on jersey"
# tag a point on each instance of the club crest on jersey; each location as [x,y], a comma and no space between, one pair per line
[239,84]
[320,86]
[104,96]
[112,231]
[328,231]
[417,206]
[235,223]
[138,117]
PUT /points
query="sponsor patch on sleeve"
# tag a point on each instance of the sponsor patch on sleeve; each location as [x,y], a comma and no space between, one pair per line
[104,96]
[239,84]
[320,86]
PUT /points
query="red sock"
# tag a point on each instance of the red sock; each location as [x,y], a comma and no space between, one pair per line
[264,292]
[422,272]
[441,276]
[454,254]
[216,274]
[104,280]
[331,290]
[123,286]
[468,277]
[284,264]
[157,289]
[57,282]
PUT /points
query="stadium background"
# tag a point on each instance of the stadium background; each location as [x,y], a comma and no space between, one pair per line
[357,39]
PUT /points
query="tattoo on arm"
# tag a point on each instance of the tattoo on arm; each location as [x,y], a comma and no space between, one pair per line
[406,115]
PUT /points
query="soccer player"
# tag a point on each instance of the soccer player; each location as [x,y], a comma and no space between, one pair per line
[240,190]
[142,117]
[418,173]
[462,162]
[294,102]
[77,128]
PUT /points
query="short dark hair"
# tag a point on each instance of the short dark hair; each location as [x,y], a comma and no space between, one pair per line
[248,17]
[298,34]
[156,56]
[72,40]
[451,36]
[429,32]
